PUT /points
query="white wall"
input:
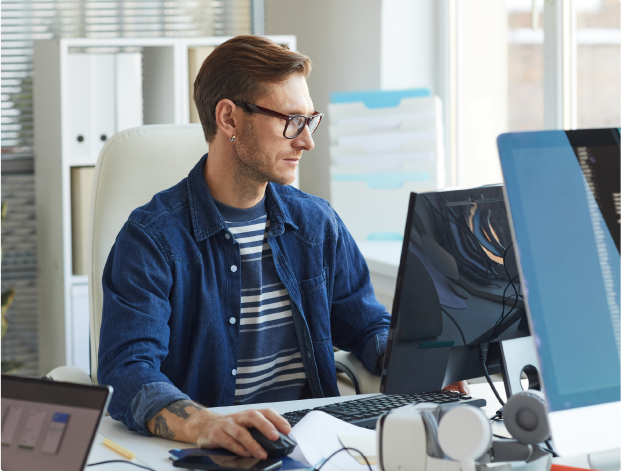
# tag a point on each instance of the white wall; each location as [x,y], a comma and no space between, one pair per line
[355,45]
[408,51]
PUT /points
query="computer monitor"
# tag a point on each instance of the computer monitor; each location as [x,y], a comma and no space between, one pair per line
[562,189]
[457,289]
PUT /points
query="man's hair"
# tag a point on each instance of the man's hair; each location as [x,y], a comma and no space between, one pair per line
[242,68]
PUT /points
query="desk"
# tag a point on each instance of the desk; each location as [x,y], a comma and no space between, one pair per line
[153,451]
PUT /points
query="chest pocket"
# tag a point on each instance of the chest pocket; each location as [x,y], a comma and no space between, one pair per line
[314,294]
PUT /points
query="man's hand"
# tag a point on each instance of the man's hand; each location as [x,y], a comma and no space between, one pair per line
[189,422]
[459,386]
[230,431]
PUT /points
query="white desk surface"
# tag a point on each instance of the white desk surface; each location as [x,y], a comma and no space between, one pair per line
[153,451]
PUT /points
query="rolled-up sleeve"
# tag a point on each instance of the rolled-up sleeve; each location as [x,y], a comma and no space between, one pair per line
[373,351]
[134,335]
[359,323]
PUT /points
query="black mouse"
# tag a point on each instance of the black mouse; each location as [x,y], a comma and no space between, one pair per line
[278,448]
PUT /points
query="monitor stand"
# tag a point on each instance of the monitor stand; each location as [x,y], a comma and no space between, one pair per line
[519,356]
[413,369]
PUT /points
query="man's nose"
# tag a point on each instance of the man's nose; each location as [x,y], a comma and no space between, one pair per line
[304,141]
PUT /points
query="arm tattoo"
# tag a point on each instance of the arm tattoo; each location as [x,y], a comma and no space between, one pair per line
[161,428]
[178,408]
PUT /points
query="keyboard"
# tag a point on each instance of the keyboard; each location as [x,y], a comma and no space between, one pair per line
[364,412]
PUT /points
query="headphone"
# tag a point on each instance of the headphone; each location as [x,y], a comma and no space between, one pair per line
[462,434]
[526,417]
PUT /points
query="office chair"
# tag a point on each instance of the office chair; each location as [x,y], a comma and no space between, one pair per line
[361,380]
[133,166]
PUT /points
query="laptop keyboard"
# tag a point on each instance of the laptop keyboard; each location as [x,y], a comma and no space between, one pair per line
[364,412]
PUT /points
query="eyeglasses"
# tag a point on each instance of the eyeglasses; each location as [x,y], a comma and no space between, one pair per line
[295,122]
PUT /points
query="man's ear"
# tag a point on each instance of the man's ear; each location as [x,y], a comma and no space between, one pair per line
[228,117]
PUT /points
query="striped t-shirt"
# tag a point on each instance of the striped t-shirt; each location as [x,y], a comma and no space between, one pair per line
[269,365]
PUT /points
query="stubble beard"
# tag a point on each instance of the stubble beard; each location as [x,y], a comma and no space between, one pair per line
[253,163]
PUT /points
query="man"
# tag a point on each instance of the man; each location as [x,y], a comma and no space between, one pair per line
[231,287]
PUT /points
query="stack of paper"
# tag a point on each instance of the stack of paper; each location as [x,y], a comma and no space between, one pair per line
[384,145]
[319,435]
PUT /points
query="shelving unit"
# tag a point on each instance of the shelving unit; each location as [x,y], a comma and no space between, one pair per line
[63,308]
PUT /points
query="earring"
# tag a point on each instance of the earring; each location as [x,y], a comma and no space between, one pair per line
[233,139]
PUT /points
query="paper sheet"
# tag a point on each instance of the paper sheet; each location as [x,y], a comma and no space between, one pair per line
[317,435]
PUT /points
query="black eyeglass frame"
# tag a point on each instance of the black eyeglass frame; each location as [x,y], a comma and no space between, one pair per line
[250,108]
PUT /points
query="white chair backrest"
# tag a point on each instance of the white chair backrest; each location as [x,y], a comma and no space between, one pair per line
[133,166]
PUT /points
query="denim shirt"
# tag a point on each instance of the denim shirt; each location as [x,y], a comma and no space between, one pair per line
[172,285]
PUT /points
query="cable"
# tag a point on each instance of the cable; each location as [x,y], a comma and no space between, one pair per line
[483,358]
[120,461]
[498,416]
[456,325]
[550,449]
[342,449]
[504,316]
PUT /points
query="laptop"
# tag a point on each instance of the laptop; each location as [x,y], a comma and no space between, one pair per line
[49,425]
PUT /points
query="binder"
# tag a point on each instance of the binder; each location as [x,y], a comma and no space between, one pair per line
[79,106]
[103,116]
[80,329]
[128,90]
[104,96]
[196,57]
[81,184]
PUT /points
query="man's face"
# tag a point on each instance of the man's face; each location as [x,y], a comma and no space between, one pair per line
[262,152]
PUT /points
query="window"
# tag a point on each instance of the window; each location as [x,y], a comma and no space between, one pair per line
[598,63]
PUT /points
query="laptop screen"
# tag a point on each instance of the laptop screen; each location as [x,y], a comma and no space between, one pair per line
[563,193]
[49,425]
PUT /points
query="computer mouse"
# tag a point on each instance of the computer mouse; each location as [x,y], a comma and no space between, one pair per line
[278,448]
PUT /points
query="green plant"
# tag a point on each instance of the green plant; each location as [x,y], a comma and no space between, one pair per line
[7,300]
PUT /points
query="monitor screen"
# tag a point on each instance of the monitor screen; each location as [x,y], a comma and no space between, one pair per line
[457,287]
[563,192]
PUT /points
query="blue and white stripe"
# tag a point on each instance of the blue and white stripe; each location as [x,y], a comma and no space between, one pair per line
[269,365]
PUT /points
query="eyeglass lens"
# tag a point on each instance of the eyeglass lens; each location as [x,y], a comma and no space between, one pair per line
[296,125]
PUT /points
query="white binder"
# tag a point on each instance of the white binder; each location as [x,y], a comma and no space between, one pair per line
[105,96]
[79,106]
[128,90]
[103,116]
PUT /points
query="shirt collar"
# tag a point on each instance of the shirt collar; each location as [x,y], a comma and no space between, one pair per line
[207,220]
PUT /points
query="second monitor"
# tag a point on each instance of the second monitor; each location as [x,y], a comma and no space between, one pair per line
[458,291]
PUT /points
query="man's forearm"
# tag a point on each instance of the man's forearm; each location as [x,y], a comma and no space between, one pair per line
[178,421]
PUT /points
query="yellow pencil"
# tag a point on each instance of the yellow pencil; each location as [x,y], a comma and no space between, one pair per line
[119,449]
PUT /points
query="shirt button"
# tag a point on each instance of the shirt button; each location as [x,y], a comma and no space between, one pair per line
[234,372]
[227,236]
[233,268]
[232,320]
